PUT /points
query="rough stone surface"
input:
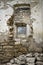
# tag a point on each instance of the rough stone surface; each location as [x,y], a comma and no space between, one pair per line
[22,60]
[8,49]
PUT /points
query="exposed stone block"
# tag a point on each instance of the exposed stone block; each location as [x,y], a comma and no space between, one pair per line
[29,55]
[12,61]
[30,63]
[40,59]
[39,63]
[30,60]
[9,64]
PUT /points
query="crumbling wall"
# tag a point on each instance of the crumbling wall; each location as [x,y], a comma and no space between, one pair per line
[8,48]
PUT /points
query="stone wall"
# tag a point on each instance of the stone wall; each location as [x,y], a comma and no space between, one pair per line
[37,22]
[8,49]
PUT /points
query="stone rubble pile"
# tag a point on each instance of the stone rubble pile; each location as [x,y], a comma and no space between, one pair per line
[28,59]
[39,59]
